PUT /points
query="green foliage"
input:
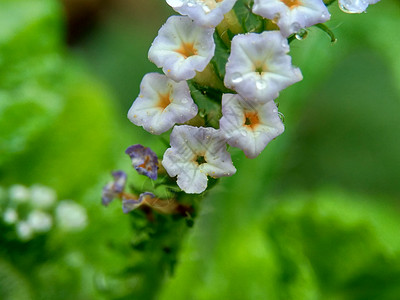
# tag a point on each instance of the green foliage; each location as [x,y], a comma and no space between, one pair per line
[13,286]
[208,100]
[365,251]
[325,245]
[249,21]
[220,57]
[29,72]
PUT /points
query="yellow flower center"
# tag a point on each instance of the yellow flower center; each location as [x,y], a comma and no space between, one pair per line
[163,101]
[187,50]
[251,119]
[291,3]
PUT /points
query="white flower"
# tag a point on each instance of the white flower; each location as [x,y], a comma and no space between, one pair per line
[24,231]
[182,48]
[19,193]
[39,221]
[292,15]
[204,12]
[259,67]
[42,196]
[249,125]
[195,153]
[162,103]
[71,216]
[10,216]
[355,6]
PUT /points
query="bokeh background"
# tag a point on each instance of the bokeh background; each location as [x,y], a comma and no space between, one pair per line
[315,216]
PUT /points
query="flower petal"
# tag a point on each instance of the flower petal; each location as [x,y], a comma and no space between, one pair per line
[114,188]
[144,160]
[130,204]
[249,125]
[292,15]
[182,48]
[259,67]
[161,104]
[204,12]
[195,153]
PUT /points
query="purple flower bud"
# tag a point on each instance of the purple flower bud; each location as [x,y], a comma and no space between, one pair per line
[113,188]
[144,160]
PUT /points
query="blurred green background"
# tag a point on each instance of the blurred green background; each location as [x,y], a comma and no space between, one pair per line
[315,216]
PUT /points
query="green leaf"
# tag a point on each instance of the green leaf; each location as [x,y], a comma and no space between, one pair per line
[220,57]
[208,100]
[249,21]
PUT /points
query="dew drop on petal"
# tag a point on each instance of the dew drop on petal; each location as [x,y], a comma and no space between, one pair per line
[353,6]
[184,100]
[261,84]
[243,132]
[237,77]
[295,27]
[206,9]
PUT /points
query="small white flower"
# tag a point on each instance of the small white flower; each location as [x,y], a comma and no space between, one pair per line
[71,216]
[10,216]
[162,103]
[39,221]
[182,48]
[203,12]
[19,193]
[42,196]
[292,15]
[195,153]
[24,231]
[355,6]
[259,67]
[249,125]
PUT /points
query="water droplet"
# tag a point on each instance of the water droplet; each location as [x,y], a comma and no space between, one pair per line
[261,84]
[243,132]
[353,6]
[206,9]
[302,34]
[237,78]
[184,101]
[324,15]
[295,27]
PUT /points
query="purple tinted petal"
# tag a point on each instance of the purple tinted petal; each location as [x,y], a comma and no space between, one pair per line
[130,204]
[144,160]
[113,188]
[119,181]
[107,195]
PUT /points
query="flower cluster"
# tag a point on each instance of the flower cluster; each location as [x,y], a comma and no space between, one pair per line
[33,210]
[208,53]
